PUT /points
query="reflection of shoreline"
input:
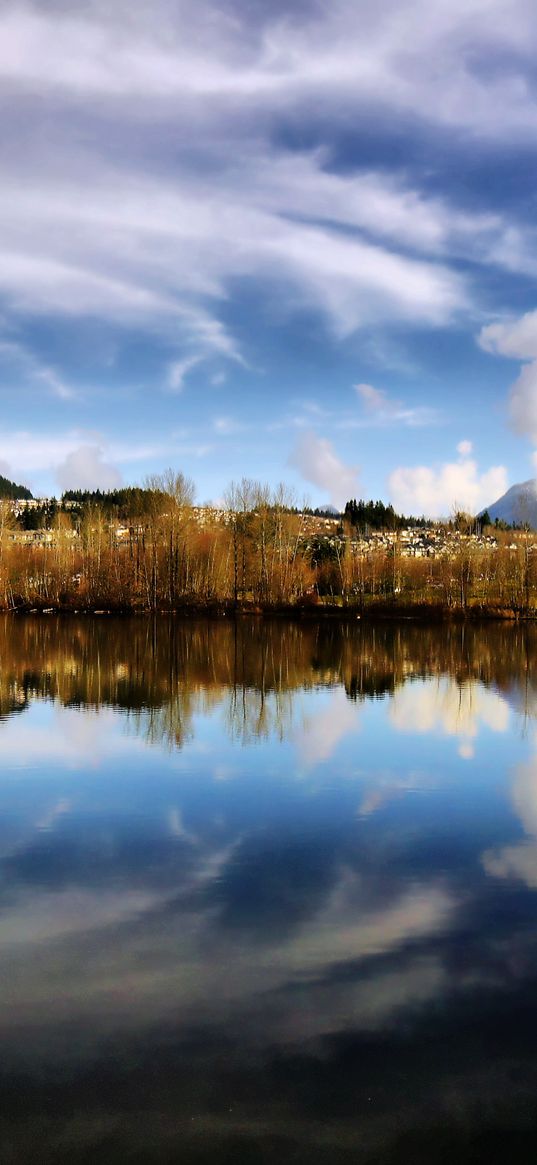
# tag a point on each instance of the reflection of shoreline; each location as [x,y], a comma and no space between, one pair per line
[164,670]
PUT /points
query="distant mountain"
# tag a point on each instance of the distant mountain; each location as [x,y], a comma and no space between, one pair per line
[518,506]
[9,489]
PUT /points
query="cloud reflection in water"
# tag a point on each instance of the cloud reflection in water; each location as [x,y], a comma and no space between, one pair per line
[284,943]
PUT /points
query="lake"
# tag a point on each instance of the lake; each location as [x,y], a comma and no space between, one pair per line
[268,891]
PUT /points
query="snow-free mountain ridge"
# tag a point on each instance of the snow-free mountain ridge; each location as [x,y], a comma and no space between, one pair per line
[518,506]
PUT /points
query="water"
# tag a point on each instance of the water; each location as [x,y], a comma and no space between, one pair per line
[268,892]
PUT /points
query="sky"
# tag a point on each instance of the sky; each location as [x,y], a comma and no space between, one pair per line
[288,241]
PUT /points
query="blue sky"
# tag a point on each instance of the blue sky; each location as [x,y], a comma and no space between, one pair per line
[288,241]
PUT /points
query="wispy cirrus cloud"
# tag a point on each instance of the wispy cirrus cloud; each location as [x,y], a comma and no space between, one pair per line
[14,355]
[228,57]
[380,408]
[153,237]
[228,426]
[162,255]
[155,191]
[178,371]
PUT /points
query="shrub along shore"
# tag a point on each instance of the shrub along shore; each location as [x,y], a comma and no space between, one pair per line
[258,555]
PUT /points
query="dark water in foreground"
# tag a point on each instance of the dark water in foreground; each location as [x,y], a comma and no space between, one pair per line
[268,893]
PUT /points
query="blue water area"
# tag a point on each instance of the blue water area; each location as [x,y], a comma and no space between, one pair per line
[268,891]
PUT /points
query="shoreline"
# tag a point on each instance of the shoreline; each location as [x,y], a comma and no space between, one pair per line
[422,612]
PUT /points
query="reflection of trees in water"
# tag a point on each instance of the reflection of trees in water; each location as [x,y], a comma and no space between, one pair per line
[14,700]
[169,722]
[162,671]
[256,712]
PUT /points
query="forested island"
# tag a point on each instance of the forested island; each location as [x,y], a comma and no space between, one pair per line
[151,549]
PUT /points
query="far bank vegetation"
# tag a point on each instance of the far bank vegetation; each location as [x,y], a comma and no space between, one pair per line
[151,549]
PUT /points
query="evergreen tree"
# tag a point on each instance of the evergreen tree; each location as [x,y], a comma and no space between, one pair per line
[9,489]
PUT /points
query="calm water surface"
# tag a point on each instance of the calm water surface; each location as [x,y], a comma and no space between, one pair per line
[268,892]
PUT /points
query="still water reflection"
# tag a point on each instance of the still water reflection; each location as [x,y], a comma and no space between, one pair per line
[268,892]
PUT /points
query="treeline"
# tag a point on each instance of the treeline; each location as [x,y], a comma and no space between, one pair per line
[259,552]
[127,502]
[9,489]
[131,503]
[376,516]
[364,516]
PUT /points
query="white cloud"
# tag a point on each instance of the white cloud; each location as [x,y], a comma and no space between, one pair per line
[382,409]
[514,338]
[76,456]
[318,463]
[162,189]
[226,426]
[179,370]
[437,491]
[354,282]
[34,452]
[374,399]
[523,402]
[84,468]
[161,255]
[464,448]
[518,340]
[90,228]
[403,56]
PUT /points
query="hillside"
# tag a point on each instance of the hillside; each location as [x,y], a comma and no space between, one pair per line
[9,489]
[518,506]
